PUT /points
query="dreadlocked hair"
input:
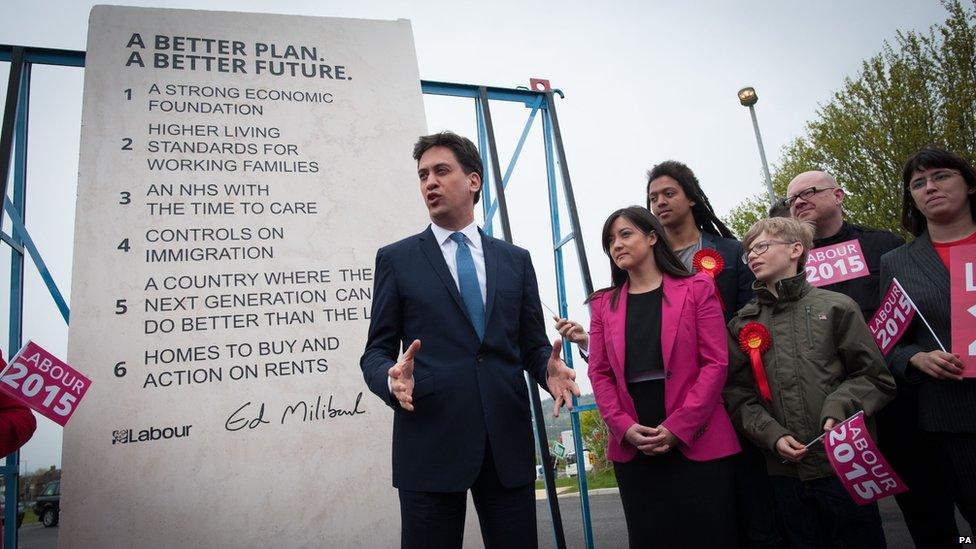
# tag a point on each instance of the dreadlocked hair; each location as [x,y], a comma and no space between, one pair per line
[702,211]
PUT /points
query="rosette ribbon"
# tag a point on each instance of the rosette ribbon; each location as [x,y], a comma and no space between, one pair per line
[710,262]
[754,340]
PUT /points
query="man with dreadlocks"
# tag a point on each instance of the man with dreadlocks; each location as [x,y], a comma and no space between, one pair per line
[697,235]
[704,243]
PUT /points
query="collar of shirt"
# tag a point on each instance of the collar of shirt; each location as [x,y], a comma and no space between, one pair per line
[443,235]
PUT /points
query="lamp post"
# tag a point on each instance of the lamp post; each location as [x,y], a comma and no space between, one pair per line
[748,98]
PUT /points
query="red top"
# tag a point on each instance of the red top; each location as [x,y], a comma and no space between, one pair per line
[942,248]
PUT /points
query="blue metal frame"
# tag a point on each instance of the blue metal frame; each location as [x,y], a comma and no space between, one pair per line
[11,470]
[558,243]
[490,214]
[20,239]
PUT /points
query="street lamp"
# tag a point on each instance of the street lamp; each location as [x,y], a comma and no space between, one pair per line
[748,98]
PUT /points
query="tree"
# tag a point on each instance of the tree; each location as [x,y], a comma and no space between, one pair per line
[919,91]
[595,434]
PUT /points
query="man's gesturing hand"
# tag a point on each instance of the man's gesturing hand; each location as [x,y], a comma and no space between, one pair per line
[560,379]
[401,377]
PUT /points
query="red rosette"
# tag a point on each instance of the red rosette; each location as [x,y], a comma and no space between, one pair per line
[754,340]
[710,262]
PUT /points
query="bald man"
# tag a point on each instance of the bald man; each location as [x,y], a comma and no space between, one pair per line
[816,197]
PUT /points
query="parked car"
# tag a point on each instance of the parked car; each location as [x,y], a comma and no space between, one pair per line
[571,467]
[3,515]
[48,504]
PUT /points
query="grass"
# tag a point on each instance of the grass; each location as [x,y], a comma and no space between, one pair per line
[30,517]
[562,482]
[594,480]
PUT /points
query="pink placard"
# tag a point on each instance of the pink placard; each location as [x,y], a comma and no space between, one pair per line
[962,291]
[836,263]
[45,383]
[858,463]
[892,318]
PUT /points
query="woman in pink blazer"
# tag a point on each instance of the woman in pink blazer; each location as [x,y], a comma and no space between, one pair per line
[658,362]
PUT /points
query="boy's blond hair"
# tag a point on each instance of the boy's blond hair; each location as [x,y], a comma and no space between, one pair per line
[783,228]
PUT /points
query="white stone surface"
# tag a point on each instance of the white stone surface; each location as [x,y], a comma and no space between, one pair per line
[290,483]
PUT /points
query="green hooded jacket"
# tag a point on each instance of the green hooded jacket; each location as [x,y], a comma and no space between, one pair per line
[822,363]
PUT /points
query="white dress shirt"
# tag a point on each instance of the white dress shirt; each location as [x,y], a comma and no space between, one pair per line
[449,249]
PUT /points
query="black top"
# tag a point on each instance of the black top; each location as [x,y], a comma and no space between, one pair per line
[643,359]
[874,243]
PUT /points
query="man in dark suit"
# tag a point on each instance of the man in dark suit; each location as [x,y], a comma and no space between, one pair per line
[466,308]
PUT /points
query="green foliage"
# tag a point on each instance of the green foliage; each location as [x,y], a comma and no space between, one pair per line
[595,434]
[919,91]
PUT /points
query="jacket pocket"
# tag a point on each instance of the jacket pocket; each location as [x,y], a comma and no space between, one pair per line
[810,345]
[423,386]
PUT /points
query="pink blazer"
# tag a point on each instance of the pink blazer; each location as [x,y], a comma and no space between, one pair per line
[695,350]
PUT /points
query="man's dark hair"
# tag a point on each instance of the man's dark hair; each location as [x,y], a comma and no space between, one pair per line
[464,151]
[779,208]
[929,158]
[702,212]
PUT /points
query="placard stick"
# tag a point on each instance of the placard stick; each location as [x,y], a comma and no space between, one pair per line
[920,315]
[553,313]
[818,439]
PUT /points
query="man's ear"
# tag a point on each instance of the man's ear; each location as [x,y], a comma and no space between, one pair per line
[474,182]
[840,195]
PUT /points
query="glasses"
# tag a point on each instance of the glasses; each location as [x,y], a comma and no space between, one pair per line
[760,248]
[937,177]
[805,194]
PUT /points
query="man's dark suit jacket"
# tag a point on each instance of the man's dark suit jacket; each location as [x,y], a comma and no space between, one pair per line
[467,392]
[943,406]
[735,280]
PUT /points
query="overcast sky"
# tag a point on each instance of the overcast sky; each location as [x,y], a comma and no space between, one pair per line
[644,81]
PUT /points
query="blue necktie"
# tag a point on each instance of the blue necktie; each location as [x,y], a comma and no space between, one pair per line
[468,281]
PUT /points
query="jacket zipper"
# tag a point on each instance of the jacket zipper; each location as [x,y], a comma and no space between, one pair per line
[809,331]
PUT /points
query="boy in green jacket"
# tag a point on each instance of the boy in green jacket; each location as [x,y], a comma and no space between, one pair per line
[802,360]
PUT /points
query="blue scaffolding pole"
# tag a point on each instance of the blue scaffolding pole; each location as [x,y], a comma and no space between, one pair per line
[13,152]
[13,147]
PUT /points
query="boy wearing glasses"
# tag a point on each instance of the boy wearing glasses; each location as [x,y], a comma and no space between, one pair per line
[809,362]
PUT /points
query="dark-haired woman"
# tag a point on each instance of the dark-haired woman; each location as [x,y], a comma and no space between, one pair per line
[658,362]
[938,207]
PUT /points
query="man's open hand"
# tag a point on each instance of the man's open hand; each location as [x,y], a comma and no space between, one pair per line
[401,377]
[561,380]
